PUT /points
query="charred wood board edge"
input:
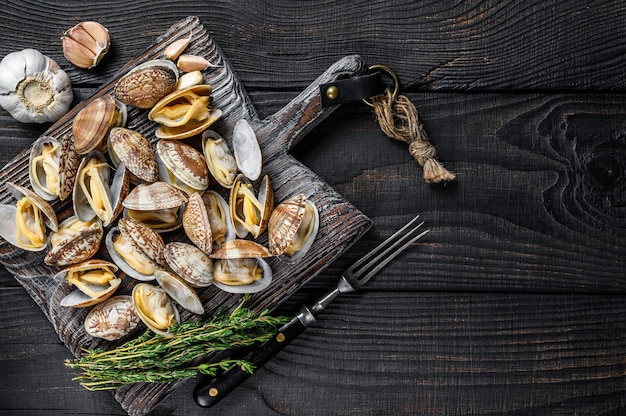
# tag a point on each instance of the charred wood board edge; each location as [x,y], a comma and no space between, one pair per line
[341,224]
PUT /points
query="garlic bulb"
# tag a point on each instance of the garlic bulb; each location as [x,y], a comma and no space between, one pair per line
[33,88]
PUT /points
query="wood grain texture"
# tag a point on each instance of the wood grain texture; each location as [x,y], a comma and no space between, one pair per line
[512,305]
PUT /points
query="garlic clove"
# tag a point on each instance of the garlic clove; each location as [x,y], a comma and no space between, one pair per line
[33,88]
[189,79]
[190,63]
[173,50]
[85,44]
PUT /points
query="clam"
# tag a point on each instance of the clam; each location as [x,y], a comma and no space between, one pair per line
[247,151]
[238,267]
[133,150]
[94,279]
[95,195]
[250,213]
[52,167]
[180,291]
[246,275]
[112,319]
[190,263]
[75,241]
[157,205]
[219,158]
[25,224]
[292,228]
[146,84]
[206,220]
[182,166]
[184,113]
[92,124]
[154,307]
[137,249]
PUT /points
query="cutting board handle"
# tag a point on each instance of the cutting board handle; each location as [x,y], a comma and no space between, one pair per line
[305,111]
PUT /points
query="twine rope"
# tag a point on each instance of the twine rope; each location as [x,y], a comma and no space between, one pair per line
[398,119]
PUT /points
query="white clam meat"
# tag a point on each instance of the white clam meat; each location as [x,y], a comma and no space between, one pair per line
[179,291]
[155,308]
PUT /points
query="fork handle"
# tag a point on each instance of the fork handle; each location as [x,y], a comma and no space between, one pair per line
[209,392]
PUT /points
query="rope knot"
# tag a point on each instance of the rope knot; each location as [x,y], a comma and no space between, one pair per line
[398,119]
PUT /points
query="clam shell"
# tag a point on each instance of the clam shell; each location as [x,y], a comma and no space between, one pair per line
[265,199]
[154,307]
[146,84]
[66,160]
[79,299]
[154,196]
[118,188]
[92,123]
[196,223]
[247,151]
[8,214]
[206,220]
[134,150]
[182,166]
[112,319]
[77,246]
[180,291]
[190,263]
[182,106]
[285,222]
[190,129]
[144,240]
[219,158]
[254,287]
[20,192]
[238,249]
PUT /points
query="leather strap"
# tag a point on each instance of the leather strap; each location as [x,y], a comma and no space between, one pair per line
[347,90]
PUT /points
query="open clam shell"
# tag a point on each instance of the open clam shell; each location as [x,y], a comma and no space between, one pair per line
[239,248]
[158,205]
[112,319]
[219,158]
[293,227]
[74,242]
[182,166]
[52,167]
[155,308]
[133,150]
[184,113]
[247,151]
[180,291]
[137,249]
[245,275]
[95,194]
[147,83]
[94,279]
[190,263]
[206,220]
[93,123]
[250,213]
[25,225]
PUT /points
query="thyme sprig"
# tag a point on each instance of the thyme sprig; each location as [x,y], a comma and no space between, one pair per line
[155,358]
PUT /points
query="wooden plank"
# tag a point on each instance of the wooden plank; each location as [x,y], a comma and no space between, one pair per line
[401,353]
[432,45]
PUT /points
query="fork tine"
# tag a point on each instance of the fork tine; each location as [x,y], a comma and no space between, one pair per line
[377,255]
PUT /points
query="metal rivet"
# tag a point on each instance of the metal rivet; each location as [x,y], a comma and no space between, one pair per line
[332,92]
[213,392]
[280,337]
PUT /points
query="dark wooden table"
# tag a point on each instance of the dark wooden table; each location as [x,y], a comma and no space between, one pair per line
[513,304]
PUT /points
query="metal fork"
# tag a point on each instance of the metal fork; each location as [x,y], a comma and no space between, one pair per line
[210,391]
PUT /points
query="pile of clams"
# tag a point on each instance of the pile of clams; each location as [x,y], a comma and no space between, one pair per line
[174,217]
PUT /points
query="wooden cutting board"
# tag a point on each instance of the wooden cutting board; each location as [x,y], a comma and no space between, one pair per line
[341,224]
